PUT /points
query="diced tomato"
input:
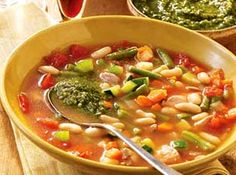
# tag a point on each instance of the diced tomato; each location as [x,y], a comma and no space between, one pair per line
[143,101]
[23,102]
[112,144]
[121,44]
[77,51]
[57,59]
[48,122]
[212,91]
[197,69]
[157,84]
[219,120]
[184,60]
[46,81]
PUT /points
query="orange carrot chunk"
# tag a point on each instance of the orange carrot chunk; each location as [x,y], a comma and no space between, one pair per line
[143,101]
[107,104]
[156,107]
[165,127]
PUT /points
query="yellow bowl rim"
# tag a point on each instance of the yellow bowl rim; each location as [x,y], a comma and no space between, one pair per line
[50,148]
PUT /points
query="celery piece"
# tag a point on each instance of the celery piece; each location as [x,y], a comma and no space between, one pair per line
[183,125]
[140,90]
[128,87]
[63,136]
[199,141]
[190,78]
[85,65]
[114,90]
[115,69]
[178,144]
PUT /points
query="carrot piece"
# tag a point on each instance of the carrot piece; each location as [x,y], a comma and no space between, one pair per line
[157,84]
[107,104]
[114,153]
[156,107]
[165,127]
[143,101]
[112,144]
[157,95]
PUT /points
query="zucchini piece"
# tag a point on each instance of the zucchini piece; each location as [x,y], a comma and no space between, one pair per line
[166,59]
[114,90]
[190,78]
[140,81]
[128,77]
[140,90]
[145,73]
[121,54]
[128,87]
[148,142]
[84,65]
[63,136]
[178,144]
[215,99]
[199,141]
[115,69]
[205,105]
[148,149]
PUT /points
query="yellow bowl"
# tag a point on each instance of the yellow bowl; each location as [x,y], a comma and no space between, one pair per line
[107,29]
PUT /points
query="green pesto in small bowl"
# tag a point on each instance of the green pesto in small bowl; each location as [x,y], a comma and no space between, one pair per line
[193,14]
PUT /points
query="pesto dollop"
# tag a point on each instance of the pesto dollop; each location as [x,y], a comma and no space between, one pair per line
[193,14]
[80,92]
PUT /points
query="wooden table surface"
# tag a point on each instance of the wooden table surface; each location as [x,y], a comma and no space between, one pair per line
[9,161]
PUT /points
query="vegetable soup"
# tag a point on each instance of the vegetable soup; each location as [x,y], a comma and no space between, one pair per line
[174,108]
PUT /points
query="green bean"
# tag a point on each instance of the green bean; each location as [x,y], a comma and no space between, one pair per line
[205,103]
[140,90]
[194,138]
[127,53]
[145,73]
[165,58]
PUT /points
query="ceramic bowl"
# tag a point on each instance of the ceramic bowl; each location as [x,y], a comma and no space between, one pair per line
[108,29]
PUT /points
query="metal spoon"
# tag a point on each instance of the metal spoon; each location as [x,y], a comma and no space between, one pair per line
[161,167]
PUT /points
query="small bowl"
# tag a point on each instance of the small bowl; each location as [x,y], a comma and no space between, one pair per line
[223,36]
[108,29]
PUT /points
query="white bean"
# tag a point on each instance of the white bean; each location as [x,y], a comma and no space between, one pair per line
[211,138]
[94,132]
[49,69]
[199,116]
[174,99]
[101,52]
[145,121]
[232,112]
[160,68]
[74,128]
[188,107]
[108,119]
[169,111]
[192,88]
[141,113]
[203,121]
[194,98]
[179,84]
[144,65]
[203,77]
[172,72]
[119,125]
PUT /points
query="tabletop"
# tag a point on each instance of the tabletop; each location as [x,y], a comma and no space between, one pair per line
[10,162]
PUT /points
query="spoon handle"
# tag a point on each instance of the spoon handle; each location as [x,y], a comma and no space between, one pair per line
[164,169]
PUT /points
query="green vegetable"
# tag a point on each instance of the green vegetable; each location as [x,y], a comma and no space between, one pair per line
[190,78]
[101,63]
[157,62]
[162,117]
[114,91]
[178,144]
[69,73]
[128,87]
[140,90]
[128,77]
[121,54]
[115,69]
[122,113]
[194,138]
[166,59]
[81,92]
[84,65]
[205,103]
[145,73]
[183,125]
[183,115]
[215,99]
[140,81]
[63,136]
[183,68]
[148,149]
[70,67]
